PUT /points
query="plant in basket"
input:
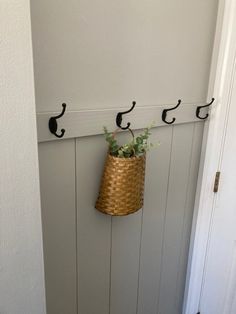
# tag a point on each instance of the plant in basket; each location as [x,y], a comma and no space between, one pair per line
[122,185]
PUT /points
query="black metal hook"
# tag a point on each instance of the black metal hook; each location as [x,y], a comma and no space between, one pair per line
[200,107]
[119,117]
[52,124]
[164,113]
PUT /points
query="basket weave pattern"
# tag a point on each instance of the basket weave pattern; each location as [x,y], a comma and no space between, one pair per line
[122,185]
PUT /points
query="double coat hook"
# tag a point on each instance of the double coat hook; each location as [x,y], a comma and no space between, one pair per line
[119,117]
[164,113]
[52,124]
[200,107]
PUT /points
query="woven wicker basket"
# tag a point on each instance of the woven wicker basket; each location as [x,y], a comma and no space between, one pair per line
[122,185]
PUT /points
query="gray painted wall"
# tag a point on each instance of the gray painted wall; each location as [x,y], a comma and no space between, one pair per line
[102,55]
[118,265]
[105,53]
[21,257]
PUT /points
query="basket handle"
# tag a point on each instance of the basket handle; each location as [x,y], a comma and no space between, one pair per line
[131,132]
[116,131]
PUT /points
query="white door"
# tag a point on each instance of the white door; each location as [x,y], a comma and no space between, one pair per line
[212,287]
[98,56]
[218,294]
[219,283]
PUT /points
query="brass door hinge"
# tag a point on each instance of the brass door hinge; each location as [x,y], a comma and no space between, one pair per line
[217,181]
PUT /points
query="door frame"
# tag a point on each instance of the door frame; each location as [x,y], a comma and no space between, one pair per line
[220,85]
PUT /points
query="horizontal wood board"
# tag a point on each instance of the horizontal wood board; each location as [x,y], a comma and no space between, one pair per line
[91,122]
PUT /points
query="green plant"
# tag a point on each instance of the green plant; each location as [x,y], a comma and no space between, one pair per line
[137,147]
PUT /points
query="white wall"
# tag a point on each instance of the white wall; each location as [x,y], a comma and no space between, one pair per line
[21,258]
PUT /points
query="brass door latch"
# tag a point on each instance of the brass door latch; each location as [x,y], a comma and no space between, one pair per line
[217,181]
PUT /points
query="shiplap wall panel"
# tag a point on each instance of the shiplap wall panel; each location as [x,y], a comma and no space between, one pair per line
[93,229]
[181,154]
[57,181]
[157,173]
[126,233]
[125,265]
[188,215]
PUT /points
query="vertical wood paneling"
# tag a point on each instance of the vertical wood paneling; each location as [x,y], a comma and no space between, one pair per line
[188,214]
[126,232]
[125,265]
[57,180]
[153,220]
[177,191]
[93,229]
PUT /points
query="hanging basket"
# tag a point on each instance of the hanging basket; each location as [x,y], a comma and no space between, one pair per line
[122,185]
